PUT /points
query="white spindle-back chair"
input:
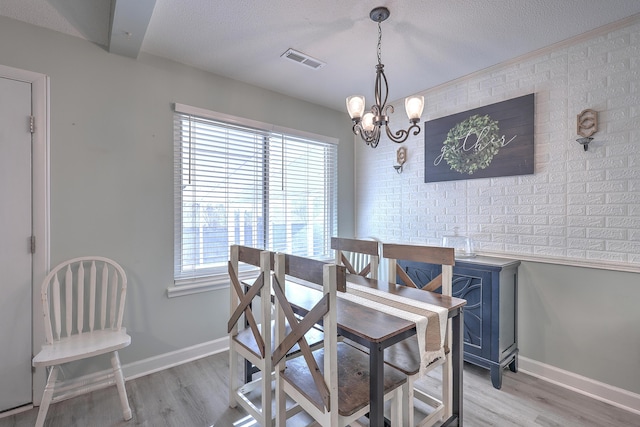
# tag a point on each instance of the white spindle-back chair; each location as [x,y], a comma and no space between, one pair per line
[83,303]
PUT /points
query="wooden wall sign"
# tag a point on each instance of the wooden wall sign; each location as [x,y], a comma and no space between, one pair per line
[490,141]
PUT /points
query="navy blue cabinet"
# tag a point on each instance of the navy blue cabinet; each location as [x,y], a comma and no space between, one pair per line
[490,286]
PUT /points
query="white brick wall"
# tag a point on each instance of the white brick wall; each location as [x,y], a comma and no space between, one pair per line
[578,205]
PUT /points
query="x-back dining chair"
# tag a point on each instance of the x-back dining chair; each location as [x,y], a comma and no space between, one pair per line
[253,342]
[331,384]
[83,303]
[359,257]
[251,332]
[405,355]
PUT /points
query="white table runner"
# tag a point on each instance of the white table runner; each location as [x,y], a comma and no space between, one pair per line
[430,320]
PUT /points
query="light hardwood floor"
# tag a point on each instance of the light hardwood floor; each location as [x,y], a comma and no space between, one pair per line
[195,395]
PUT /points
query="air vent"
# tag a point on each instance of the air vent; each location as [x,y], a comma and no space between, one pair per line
[303,59]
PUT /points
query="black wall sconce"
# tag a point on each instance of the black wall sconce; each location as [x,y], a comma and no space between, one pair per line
[587,126]
[401,157]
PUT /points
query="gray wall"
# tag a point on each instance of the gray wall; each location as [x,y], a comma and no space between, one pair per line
[112,168]
[582,320]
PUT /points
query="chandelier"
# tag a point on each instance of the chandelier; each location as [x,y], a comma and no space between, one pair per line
[368,124]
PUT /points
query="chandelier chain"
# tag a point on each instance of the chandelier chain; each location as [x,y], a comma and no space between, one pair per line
[379,43]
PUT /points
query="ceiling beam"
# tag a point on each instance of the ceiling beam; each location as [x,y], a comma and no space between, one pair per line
[129,22]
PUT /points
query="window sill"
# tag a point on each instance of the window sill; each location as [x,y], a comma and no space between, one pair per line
[183,290]
[185,287]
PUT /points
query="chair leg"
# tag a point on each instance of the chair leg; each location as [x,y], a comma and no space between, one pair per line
[280,396]
[122,391]
[407,403]
[266,383]
[447,387]
[397,407]
[47,396]
[233,377]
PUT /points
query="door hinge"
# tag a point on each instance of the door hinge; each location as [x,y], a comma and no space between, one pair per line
[33,244]
[32,124]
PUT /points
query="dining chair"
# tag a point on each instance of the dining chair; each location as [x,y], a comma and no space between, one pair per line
[359,257]
[251,331]
[331,384]
[83,303]
[249,337]
[405,355]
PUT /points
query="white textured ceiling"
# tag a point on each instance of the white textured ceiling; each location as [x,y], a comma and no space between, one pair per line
[424,42]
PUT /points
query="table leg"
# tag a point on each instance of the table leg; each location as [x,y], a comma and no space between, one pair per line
[248,371]
[376,385]
[457,324]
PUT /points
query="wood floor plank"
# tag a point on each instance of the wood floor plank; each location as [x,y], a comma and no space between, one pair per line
[195,395]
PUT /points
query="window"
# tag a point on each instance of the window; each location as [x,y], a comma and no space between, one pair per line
[242,182]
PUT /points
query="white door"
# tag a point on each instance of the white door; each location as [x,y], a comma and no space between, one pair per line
[15,255]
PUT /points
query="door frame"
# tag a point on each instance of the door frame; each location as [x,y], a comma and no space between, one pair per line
[40,205]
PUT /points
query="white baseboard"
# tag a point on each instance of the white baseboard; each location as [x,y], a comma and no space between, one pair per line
[174,358]
[15,411]
[612,395]
[99,380]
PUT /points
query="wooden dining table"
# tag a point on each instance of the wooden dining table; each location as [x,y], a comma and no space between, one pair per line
[377,330]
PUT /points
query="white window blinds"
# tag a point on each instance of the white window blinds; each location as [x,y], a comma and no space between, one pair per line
[237,184]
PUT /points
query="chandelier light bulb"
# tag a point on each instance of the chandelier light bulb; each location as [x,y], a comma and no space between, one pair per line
[355,106]
[367,122]
[414,106]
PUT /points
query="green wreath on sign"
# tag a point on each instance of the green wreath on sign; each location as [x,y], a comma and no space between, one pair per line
[472,144]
